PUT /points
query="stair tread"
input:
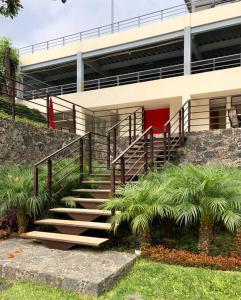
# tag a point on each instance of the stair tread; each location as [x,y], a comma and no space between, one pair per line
[92,190]
[82,211]
[96,181]
[73,223]
[67,238]
[89,200]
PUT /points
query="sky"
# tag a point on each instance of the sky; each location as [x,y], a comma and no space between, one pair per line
[41,20]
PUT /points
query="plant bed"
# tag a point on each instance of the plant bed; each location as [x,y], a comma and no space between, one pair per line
[4,285]
[189,259]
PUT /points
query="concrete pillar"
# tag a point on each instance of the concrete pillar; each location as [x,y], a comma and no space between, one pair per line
[187,50]
[80,72]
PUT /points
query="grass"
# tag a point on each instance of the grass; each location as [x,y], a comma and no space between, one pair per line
[151,281]
[5,116]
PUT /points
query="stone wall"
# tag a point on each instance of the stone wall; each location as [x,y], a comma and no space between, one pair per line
[214,146]
[24,143]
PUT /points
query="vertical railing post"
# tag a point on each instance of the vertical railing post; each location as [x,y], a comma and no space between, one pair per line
[13,101]
[139,21]
[90,154]
[47,109]
[165,144]
[36,186]
[151,148]
[108,149]
[180,126]
[114,143]
[134,125]
[113,179]
[145,155]
[123,173]
[189,115]
[74,119]
[183,124]
[50,178]
[169,142]
[130,130]
[81,159]
[143,119]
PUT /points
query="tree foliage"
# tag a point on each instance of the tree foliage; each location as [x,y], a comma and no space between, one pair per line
[10,8]
[6,43]
[189,194]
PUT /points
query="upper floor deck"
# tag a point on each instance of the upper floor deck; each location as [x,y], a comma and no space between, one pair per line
[163,25]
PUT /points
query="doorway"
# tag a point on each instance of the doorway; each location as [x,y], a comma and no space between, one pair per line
[157,118]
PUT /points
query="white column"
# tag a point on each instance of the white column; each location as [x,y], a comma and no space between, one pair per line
[80,72]
[187,50]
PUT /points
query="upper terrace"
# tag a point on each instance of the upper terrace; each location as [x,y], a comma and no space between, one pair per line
[136,22]
[177,42]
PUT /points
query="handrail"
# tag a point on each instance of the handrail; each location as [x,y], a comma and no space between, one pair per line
[138,21]
[134,143]
[129,131]
[168,122]
[117,124]
[60,150]
[76,148]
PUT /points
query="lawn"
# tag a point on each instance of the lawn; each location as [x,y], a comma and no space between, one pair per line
[151,281]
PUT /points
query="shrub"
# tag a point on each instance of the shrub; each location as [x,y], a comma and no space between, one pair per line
[22,111]
[139,204]
[16,192]
[185,258]
[9,222]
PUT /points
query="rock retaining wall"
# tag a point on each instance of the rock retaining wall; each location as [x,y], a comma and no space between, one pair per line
[214,146]
[24,143]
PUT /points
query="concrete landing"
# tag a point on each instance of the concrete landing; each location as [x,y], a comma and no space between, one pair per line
[86,271]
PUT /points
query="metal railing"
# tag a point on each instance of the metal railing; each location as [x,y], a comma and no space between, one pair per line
[124,132]
[135,77]
[68,116]
[69,164]
[206,65]
[153,17]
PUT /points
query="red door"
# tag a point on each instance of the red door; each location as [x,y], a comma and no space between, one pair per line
[157,117]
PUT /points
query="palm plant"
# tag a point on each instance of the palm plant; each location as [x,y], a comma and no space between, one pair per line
[16,192]
[139,204]
[204,194]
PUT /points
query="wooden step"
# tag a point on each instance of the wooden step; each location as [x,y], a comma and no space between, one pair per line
[89,202]
[71,223]
[81,214]
[64,241]
[95,193]
[82,211]
[102,184]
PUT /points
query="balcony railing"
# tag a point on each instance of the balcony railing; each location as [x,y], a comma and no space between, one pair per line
[207,65]
[153,17]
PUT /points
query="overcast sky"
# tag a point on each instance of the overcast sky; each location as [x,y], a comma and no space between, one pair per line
[41,20]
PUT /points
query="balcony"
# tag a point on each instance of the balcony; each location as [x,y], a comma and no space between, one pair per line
[200,66]
[154,17]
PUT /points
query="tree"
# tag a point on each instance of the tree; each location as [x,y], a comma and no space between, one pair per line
[10,8]
[204,195]
[139,204]
[9,61]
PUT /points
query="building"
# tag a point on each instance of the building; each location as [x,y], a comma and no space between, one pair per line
[134,89]
[158,61]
